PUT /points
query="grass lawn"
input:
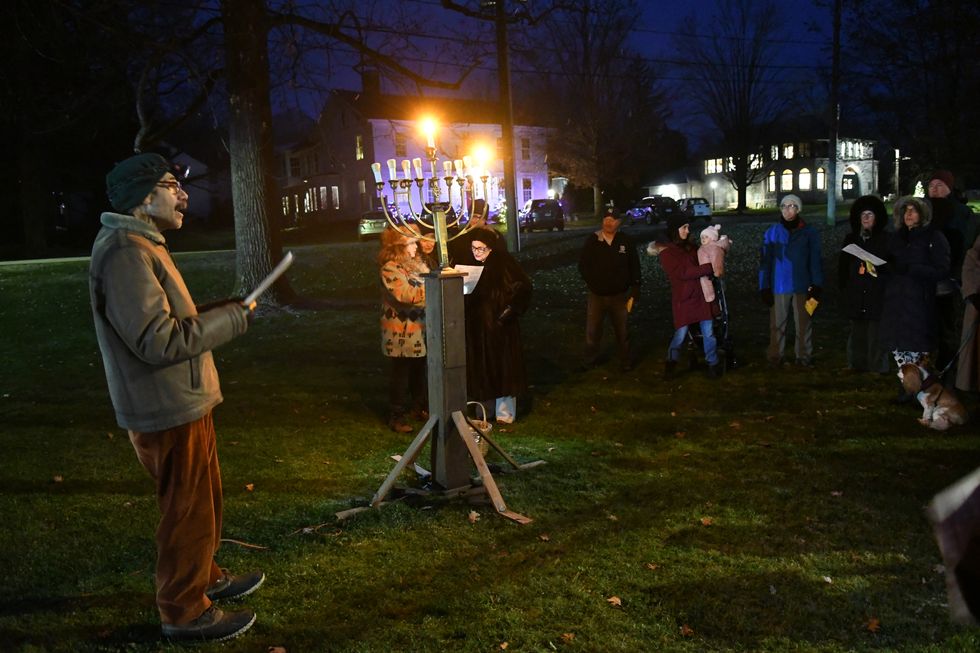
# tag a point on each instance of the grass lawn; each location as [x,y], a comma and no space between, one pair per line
[765,511]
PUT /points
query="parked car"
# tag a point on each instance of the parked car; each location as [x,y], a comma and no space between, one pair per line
[650,210]
[541,214]
[695,207]
[372,223]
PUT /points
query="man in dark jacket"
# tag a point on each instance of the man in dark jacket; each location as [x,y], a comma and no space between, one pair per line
[156,348]
[610,267]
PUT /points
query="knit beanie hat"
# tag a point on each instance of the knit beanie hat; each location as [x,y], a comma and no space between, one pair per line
[944,176]
[792,199]
[131,180]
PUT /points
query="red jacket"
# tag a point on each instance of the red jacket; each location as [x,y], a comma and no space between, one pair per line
[686,299]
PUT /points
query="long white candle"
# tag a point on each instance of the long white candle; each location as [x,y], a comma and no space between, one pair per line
[407,168]
[417,164]
[376,169]
[447,168]
[392,169]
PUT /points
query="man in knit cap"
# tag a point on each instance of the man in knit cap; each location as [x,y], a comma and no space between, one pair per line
[156,349]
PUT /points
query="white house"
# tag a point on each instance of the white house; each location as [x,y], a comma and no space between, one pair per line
[328,177]
[786,166]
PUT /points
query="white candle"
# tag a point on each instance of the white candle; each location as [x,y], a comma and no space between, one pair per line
[392,169]
[430,139]
[447,168]
[459,167]
[417,163]
[468,163]
[376,169]
[407,168]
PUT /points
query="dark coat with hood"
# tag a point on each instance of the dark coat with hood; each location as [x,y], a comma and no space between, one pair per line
[864,294]
[679,260]
[494,353]
[918,259]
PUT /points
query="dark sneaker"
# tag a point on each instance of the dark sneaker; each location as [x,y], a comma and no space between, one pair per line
[232,587]
[214,625]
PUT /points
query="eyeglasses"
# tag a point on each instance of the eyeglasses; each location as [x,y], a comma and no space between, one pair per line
[173,185]
[789,206]
[479,250]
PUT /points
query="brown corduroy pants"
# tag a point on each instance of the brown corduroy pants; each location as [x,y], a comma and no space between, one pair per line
[183,462]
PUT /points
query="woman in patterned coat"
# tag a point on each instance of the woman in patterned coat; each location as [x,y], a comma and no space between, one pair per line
[403,327]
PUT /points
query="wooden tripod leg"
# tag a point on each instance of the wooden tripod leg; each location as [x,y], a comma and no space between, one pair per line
[467,433]
[409,456]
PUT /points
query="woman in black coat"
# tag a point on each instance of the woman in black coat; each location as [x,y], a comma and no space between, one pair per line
[863,287]
[494,353]
[918,258]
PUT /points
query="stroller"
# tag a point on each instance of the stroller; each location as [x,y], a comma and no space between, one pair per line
[722,331]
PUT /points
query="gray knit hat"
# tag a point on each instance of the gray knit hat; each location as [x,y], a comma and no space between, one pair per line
[792,199]
[131,180]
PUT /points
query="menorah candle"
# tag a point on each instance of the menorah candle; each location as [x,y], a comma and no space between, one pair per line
[468,163]
[407,168]
[447,168]
[417,163]
[392,169]
[459,167]
[376,169]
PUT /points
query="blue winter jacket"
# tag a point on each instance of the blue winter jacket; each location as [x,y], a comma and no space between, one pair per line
[789,260]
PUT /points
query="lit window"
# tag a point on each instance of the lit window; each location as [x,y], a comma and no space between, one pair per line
[772,182]
[847,183]
[787,150]
[335,197]
[401,149]
[323,196]
[729,164]
[755,161]
[285,205]
[805,179]
[526,189]
[359,147]
[804,151]
[786,182]
[774,152]
[821,179]
[526,150]
[361,187]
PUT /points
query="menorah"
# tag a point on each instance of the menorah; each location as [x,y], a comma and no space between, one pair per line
[451,433]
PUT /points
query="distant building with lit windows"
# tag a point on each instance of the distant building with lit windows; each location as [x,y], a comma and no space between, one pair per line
[787,166]
[326,176]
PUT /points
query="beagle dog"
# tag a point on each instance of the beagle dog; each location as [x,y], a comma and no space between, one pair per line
[940,407]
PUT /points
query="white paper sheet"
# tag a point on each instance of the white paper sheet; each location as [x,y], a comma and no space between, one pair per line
[855,250]
[472,273]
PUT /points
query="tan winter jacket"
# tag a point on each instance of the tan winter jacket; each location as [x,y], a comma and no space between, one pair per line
[156,347]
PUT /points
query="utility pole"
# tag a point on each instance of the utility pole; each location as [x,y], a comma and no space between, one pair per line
[507,127]
[834,121]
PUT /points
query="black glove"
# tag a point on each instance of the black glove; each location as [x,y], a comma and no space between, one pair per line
[814,292]
[975,300]
[506,315]
[766,296]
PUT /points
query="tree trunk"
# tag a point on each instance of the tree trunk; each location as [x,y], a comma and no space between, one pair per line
[254,196]
[597,200]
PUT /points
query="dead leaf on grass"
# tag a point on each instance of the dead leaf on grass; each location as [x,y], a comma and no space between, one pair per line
[250,486]
[652,566]
[474,516]
[680,435]
[673,414]
[873,624]
[111,435]
[707,521]
[503,646]
[276,649]
[686,630]
[614,601]
[837,493]
[567,638]
[593,409]
[544,537]
[735,425]
[828,580]
[617,444]
[58,478]
[612,517]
